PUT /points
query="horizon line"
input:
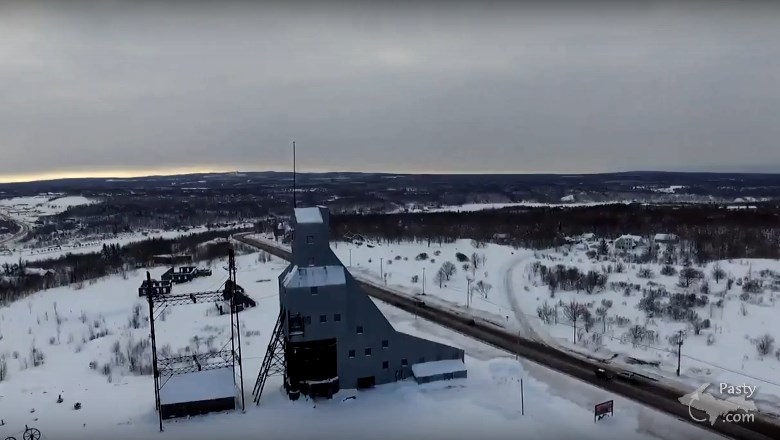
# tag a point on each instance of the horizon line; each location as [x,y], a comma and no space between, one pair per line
[51,177]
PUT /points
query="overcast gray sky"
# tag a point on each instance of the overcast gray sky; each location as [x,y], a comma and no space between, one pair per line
[118,87]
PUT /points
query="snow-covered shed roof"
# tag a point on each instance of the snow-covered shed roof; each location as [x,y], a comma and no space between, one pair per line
[314,276]
[199,386]
[308,215]
[436,368]
[629,237]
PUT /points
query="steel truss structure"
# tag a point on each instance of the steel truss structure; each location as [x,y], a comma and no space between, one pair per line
[274,362]
[165,368]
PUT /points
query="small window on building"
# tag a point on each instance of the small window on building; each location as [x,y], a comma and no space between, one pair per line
[359,329]
[323,318]
[309,239]
[368,351]
[307,319]
[404,362]
[315,290]
[385,343]
[385,365]
[351,353]
[337,317]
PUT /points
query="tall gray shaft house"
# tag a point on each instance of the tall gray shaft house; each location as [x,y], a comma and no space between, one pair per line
[335,336]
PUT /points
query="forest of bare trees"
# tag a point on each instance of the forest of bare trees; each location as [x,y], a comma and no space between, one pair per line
[708,232]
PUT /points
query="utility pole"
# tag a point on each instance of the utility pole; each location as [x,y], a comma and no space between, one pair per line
[350,258]
[522,398]
[423,292]
[679,350]
[295,204]
[381,269]
[155,371]
[468,292]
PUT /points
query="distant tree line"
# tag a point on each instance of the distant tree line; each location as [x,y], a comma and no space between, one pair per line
[707,232]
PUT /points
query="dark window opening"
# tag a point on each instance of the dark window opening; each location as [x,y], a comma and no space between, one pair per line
[351,353]
[404,362]
[315,290]
[368,352]
[337,317]
[323,318]
[385,343]
[366,382]
[296,324]
[360,329]
[385,365]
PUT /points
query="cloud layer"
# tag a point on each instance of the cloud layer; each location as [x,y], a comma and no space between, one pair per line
[119,86]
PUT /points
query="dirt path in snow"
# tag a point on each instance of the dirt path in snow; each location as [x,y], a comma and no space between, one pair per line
[525,322]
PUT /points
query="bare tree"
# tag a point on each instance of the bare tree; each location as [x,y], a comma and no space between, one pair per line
[587,319]
[764,344]
[601,312]
[448,270]
[572,311]
[37,357]
[483,288]
[637,334]
[439,277]
[697,324]
[3,368]
[718,273]
[477,260]
[688,274]
[546,313]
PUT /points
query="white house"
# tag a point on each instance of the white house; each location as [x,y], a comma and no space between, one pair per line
[628,242]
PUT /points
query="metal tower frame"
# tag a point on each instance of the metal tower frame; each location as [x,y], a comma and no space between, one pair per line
[165,368]
[274,362]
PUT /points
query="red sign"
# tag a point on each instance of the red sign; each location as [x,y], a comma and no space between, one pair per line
[603,409]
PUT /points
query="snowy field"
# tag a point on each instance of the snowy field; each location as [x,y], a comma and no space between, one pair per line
[506,291]
[49,340]
[29,209]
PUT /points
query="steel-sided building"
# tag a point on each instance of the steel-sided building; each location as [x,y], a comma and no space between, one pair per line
[335,336]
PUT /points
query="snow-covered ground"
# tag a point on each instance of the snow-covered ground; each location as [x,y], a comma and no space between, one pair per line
[98,317]
[29,209]
[511,294]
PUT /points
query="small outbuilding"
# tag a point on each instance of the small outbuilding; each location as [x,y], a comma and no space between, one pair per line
[439,370]
[199,392]
[666,239]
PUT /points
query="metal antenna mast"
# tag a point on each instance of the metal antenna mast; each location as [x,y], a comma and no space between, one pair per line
[295,204]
